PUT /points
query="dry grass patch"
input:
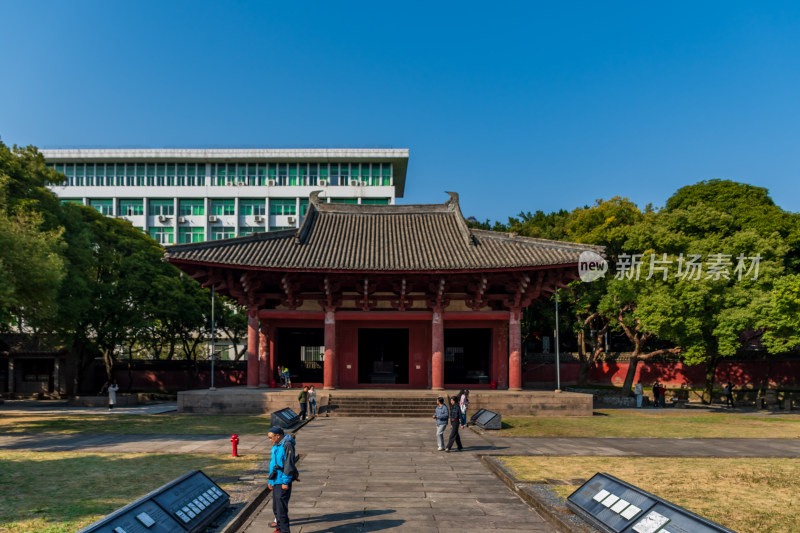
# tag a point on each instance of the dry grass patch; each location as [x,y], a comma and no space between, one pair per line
[746,495]
[136,424]
[64,492]
[657,424]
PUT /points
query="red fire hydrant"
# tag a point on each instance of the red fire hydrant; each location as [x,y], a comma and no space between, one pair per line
[235,441]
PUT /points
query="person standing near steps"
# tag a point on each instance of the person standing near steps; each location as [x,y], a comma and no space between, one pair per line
[455,423]
[440,416]
[282,473]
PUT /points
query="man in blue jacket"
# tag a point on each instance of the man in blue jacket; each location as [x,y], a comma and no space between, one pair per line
[282,472]
[440,416]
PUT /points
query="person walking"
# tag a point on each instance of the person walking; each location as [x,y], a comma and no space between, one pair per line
[728,392]
[440,416]
[455,422]
[303,399]
[282,473]
[656,393]
[312,401]
[112,394]
[281,377]
[287,377]
[638,391]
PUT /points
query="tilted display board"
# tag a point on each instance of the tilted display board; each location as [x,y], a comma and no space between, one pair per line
[285,418]
[614,506]
[487,419]
[187,504]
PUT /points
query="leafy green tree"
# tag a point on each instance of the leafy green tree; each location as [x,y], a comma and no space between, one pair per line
[31,247]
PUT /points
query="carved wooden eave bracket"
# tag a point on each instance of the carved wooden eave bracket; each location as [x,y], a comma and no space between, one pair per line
[403,300]
[478,294]
[437,299]
[366,288]
[332,295]
[291,291]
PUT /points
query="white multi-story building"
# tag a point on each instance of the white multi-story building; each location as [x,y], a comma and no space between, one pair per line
[194,195]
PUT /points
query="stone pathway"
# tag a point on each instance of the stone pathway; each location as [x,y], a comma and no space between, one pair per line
[382,474]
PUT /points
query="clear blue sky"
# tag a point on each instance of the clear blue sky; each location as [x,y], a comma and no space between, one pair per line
[516,106]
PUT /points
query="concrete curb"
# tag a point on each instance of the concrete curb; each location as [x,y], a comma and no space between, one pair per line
[542,507]
[244,514]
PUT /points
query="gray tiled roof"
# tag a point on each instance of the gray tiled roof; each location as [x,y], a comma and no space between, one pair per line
[382,238]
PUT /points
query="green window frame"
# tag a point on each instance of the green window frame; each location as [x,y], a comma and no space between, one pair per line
[190,235]
[375,201]
[103,206]
[162,235]
[223,207]
[161,207]
[252,207]
[386,173]
[222,232]
[282,206]
[244,231]
[344,200]
[77,201]
[190,207]
[303,207]
[130,208]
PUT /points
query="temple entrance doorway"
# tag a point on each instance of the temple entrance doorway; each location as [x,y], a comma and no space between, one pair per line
[383,356]
[301,349]
[467,355]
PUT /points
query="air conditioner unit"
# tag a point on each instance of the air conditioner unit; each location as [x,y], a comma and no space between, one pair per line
[291,220]
[323,183]
[181,220]
[162,218]
[259,218]
[271,183]
[212,218]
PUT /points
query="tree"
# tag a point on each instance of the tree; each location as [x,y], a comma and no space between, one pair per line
[31,247]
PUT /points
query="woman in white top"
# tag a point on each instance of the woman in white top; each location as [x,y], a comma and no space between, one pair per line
[312,400]
[112,394]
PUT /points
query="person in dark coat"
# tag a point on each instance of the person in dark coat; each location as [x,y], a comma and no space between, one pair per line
[455,422]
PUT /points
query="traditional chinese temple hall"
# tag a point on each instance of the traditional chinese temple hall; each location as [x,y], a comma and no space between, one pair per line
[383,297]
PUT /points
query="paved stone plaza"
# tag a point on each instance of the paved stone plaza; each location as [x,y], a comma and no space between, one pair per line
[382,474]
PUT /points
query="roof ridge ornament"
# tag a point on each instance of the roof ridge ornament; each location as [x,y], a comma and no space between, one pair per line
[453,206]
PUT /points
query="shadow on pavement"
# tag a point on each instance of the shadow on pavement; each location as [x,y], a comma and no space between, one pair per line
[351,515]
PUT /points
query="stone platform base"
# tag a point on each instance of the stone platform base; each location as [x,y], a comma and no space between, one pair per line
[241,400]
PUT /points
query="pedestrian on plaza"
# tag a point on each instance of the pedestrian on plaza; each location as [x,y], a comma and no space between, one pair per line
[281,377]
[287,377]
[312,401]
[638,392]
[656,393]
[728,392]
[303,399]
[463,402]
[112,394]
[663,396]
[440,416]
[282,473]
[455,422]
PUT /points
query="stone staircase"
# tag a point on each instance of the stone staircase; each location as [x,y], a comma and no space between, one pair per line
[400,406]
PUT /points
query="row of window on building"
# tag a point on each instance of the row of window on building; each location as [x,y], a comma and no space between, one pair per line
[166,235]
[222,174]
[218,207]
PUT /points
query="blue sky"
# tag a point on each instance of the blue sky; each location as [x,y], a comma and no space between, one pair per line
[516,106]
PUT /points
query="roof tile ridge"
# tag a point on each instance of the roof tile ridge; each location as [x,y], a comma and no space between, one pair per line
[534,240]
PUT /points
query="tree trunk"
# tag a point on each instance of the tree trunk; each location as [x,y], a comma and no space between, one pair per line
[630,375]
[711,374]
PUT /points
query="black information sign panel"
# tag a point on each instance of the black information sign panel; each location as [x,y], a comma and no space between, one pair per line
[187,504]
[487,419]
[284,418]
[614,506]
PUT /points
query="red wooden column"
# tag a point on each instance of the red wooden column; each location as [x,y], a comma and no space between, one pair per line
[501,356]
[263,355]
[271,354]
[437,349]
[330,367]
[252,348]
[515,347]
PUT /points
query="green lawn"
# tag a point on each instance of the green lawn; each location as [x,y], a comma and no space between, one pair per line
[661,423]
[747,495]
[170,424]
[64,492]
